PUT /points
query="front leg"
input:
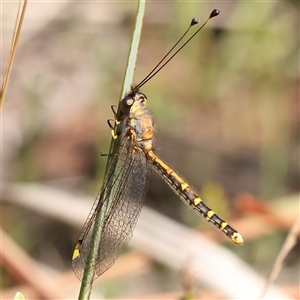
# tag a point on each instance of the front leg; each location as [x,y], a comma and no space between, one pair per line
[117,122]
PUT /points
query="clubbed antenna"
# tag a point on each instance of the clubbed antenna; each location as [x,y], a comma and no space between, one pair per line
[164,61]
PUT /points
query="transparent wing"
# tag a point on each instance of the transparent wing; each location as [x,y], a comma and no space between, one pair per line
[122,199]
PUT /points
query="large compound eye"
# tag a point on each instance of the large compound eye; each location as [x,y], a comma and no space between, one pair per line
[126,104]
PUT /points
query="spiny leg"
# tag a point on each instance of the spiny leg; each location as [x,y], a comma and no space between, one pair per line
[116,122]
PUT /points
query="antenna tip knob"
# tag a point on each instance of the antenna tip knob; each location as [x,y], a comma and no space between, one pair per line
[214,13]
[195,21]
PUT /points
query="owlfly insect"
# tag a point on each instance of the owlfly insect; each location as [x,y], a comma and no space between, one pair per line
[124,191]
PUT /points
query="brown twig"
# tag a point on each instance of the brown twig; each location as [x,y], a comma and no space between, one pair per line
[289,243]
[17,262]
[15,39]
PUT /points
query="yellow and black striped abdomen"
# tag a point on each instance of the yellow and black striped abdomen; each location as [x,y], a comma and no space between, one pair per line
[183,189]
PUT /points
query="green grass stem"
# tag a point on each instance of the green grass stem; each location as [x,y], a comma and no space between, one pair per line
[87,281]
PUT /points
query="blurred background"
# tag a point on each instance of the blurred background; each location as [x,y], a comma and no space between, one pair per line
[226,111]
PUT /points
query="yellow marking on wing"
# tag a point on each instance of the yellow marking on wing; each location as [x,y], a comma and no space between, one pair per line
[76,253]
[197,201]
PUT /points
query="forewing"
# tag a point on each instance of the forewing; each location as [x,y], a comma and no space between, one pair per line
[122,199]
